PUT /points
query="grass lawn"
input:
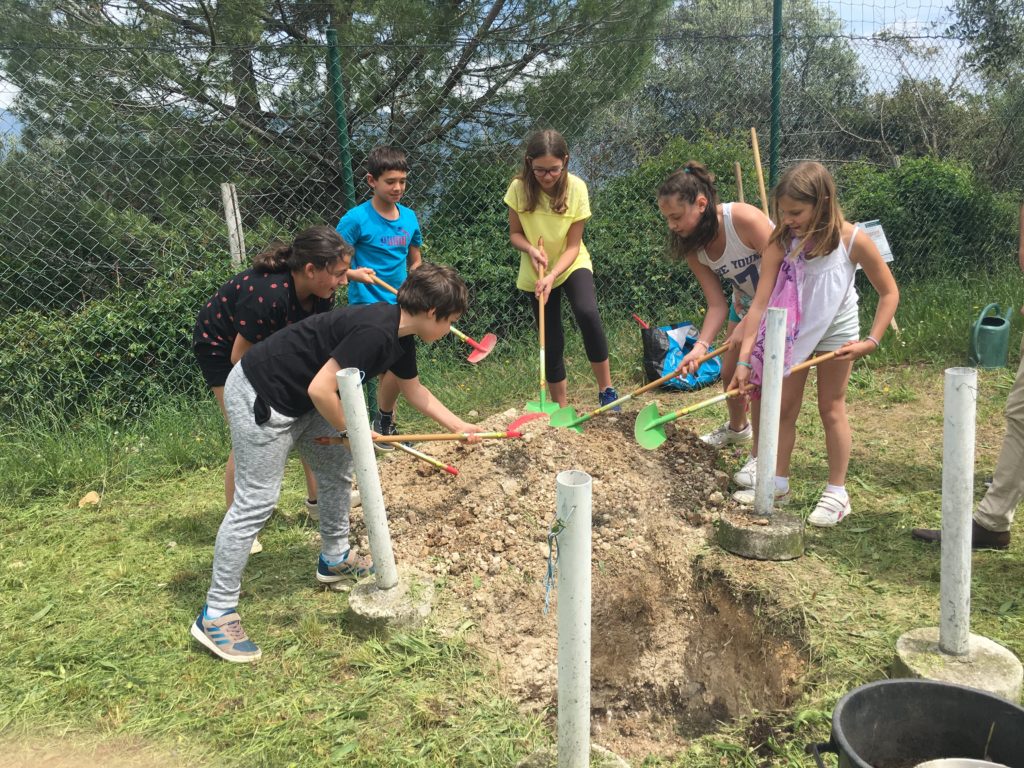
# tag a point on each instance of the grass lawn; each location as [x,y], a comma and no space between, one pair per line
[96,665]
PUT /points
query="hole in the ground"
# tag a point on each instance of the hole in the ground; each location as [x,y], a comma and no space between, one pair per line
[647,699]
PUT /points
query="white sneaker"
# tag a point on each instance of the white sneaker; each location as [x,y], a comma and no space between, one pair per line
[256,547]
[725,435]
[745,496]
[354,500]
[747,474]
[830,510]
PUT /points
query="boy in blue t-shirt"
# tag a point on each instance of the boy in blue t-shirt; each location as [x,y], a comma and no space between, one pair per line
[386,238]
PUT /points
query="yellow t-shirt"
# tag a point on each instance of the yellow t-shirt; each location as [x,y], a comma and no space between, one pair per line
[553,227]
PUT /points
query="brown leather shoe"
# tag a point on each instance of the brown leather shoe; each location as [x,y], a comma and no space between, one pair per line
[981,538]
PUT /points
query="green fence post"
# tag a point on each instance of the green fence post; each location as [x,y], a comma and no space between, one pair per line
[340,119]
[773,144]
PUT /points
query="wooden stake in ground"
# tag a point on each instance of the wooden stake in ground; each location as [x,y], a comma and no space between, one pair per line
[738,172]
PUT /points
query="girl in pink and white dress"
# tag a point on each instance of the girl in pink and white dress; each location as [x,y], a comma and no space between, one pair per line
[809,267]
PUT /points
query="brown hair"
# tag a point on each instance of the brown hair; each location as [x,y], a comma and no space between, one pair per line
[687,184]
[810,183]
[548,142]
[432,286]
[382,159]
[320,246]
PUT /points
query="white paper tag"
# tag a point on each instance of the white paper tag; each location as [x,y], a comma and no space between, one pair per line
[874,230]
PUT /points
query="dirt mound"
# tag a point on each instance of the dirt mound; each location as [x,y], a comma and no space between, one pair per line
[670,657]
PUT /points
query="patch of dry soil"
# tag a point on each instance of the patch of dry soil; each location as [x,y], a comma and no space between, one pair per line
[672,654]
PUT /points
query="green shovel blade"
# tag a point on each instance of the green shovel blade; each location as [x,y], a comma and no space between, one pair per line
[649,435]
[566,417]
[541,406]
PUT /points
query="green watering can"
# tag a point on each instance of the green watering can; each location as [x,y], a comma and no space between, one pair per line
[990,338]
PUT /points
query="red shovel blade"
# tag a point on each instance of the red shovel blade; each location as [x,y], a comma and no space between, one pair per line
[482,348]
[515,425]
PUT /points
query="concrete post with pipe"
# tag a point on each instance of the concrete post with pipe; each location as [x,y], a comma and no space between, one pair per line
[764,533]
[386,602]
[771,409]
[950,653]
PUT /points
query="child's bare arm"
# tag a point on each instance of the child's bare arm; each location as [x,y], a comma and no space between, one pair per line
[517,236]
[323,391]
[753,227]
[718,306]
[423,400]
[865,253]
[240,347]
[415,257]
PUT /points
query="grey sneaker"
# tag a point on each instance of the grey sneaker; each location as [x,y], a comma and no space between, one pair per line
[225,637]
[384,425]
[725,435]
[746,476]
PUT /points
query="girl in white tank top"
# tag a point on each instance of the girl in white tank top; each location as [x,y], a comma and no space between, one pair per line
[821,266]
[721,244]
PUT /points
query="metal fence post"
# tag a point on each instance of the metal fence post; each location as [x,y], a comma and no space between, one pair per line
[776,129]
[340,118]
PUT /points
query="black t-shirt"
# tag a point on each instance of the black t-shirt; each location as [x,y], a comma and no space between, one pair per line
[254,304]
[363,336]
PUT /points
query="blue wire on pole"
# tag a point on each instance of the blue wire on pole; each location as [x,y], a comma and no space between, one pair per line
[557,526]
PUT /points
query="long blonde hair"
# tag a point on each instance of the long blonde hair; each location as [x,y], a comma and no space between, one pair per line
[547,142]
[810,183]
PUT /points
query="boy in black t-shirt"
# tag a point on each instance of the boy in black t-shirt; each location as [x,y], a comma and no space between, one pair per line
[283,395]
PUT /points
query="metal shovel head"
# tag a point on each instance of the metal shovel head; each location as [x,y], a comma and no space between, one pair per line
[486,345]
[649,437]
[566,417]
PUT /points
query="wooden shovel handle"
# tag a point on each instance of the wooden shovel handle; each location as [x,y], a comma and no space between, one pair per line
[760,171]
[383,285]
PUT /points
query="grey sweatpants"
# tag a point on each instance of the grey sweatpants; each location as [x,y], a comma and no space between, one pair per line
[260,455]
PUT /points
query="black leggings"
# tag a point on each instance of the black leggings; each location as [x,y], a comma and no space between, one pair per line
[579,288]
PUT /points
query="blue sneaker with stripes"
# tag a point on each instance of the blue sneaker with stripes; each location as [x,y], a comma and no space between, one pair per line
[608,395]
[225,637]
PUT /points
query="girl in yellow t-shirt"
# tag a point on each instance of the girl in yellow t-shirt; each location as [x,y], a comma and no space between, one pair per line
[547,209]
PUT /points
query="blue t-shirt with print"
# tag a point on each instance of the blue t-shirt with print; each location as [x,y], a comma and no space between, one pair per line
[381,245]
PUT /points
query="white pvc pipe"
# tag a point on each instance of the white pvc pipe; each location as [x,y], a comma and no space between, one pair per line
[574,510]
[771,410]
[360,441]
[959,410]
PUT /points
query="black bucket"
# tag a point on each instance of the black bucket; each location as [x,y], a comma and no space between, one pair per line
[901,723]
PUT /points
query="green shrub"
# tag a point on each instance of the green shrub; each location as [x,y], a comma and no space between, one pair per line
[113,356]
[939,217]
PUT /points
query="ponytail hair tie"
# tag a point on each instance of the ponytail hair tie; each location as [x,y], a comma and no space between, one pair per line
[686,170]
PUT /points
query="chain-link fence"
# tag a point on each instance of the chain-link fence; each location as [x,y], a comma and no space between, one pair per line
[121,124]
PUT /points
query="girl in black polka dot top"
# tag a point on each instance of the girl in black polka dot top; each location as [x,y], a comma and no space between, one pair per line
[287,283]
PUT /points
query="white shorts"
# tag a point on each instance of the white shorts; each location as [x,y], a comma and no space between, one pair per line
[844,328]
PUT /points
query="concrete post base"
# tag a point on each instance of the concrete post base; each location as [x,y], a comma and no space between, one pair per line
[779,537]
[405,606]
[599,758]
[987,666]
